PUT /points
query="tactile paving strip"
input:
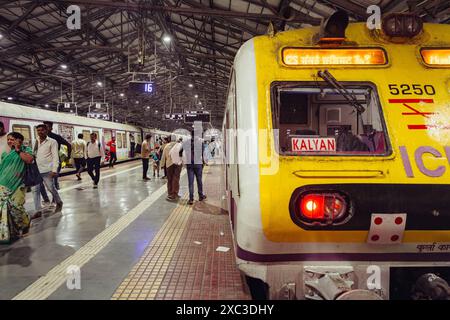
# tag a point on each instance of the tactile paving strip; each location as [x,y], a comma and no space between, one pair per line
[182,261]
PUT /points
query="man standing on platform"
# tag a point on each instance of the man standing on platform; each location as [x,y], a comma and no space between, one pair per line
[95,153]
[132,145]
[61,141]
[175,169]
[194,159]
[166,161]
[112,152]
[3,140]
[145,154]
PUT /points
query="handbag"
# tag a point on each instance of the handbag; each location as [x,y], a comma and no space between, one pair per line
[8,229]
[32,176]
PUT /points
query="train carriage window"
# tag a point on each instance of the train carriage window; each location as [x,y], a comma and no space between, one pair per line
[119,139]
[315,120]
[25,131]
[125,141]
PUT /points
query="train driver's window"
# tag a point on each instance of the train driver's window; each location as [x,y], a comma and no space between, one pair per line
[25,131]
[316,120]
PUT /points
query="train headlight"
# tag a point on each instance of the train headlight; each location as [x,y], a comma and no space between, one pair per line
[404,25]
[325,208]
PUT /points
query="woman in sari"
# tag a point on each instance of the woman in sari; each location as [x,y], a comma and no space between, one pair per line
[12,170]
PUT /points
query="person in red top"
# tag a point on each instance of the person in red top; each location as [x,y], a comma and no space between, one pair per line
[112,152]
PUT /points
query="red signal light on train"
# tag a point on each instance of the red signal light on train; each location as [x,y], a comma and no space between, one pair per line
[325,207]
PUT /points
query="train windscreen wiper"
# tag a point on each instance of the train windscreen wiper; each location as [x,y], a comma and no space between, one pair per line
[350,97]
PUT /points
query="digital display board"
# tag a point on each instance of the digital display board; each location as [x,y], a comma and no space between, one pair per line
[67,105]
[99,105]
[142,87]
[96,115]
[193,116]
[174,116]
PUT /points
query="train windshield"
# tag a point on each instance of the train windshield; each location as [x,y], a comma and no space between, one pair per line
[315,120]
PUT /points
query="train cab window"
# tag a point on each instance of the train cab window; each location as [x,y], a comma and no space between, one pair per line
[316,120]
[25,131]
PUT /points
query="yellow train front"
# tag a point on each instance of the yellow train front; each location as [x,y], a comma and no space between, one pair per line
[338,161]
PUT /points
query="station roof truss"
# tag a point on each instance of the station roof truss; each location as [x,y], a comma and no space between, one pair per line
[124,40]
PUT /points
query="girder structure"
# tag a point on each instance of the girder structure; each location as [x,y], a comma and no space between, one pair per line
[116,35]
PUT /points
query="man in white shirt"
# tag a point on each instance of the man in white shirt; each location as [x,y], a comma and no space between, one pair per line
[174,166]
[79,154]
[95,154]
[47,160]
[3,140]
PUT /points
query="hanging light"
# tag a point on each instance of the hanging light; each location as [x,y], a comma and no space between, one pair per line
[99,83]
[167,38]
[64,66]
[10,98]
[191,85]
[122,94]
[196,96]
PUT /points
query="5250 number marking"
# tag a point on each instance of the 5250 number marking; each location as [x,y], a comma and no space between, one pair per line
[416,89]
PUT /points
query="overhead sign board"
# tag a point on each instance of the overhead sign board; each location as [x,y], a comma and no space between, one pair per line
[174,116]
[96,115]
[193,116]
[146,87]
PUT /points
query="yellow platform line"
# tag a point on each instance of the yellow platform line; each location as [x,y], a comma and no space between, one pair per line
[145,278]
[46,285]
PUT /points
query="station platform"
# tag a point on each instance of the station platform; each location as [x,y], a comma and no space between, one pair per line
[125,241]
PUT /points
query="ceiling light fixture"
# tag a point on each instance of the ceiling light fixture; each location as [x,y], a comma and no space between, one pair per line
[167,39]
[191,85]
[64,66]
[10,98]
[99,84]
[196,96]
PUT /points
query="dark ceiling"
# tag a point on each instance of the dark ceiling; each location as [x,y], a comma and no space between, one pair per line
[123,40]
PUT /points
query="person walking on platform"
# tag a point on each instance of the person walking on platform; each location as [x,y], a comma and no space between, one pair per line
[112,152]
[161,151]
[166,161]
[132,146]
[155,155]
[79,154]
[47,160]
[3,140]
[12,189]
[61,141]
[177,164]
[194,158]
[95,154]
[145,154]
